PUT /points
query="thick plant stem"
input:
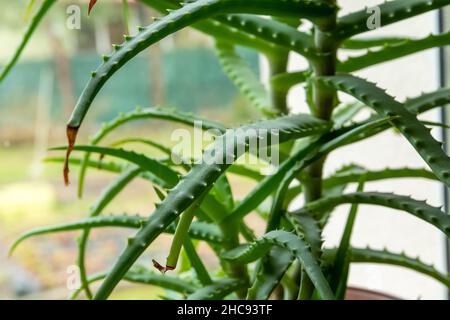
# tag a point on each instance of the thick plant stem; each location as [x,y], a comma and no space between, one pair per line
[230,229]
[324,102]
[278,65]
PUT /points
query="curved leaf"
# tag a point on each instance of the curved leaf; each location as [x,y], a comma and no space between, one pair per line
[428,101]
[359,255]
[274,32]
[365,43]
[285,81]
[341,264]
[148,277]
[196,262]
[178,19]
[390,12]
[346,112]
[164,176]
[244,78]
[393,51]
[287,240]
[419,209]
[202,175]
[298,161]
[198,230]
[273,266]
[168,114]
[105,198]
[351,176]
[37,18]
[406,122]
[307,227]
[218,290]
[221,29]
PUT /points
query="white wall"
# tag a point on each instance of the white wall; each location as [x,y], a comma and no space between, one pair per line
[377,226]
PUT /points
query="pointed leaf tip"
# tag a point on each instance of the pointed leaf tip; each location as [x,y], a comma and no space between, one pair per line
[91,5]
[71,137]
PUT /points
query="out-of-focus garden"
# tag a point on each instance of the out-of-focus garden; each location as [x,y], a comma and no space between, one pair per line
[35,101]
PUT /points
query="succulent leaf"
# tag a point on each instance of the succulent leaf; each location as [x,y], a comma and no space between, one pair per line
[273,267]
[244,78]
[419,209]
[391,12]
[198,230]
[361,255]
[406,122]
[34,23]
[218,290]
[287,240]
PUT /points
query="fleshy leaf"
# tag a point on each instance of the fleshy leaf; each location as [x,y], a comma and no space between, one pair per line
[419,209]
[414,131]
[287,240]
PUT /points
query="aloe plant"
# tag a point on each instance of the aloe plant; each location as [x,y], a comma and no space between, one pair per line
[288,260]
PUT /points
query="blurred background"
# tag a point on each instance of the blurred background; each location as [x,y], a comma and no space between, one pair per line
[182,71]
[35,101]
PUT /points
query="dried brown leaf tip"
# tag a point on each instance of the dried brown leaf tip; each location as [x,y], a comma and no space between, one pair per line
[161,268]
[71,137]
[91,5]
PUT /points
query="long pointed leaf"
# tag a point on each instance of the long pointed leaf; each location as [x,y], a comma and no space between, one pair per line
[406,122]
[419,209]
[202,175]
[360,255]
[198,230]
[178,19]
[390,12]
[298,247]
[394,51]
[218,290]
[35,21]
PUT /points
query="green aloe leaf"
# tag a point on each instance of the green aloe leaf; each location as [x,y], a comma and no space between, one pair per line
[222,192]
[222,29]
[298,161]
[341,264]
[428,101]
[393,51]
[163,175]
[198,230]
[367,255]
[168,114]
[273,267]
[212,165]
[419,209]
[218,290]
[306,226]
[35,21]
[196,262]
[346,112]
[285,81]
[176,20]
[390,12]
[147,277]
[414,131]
[274,32]
[373,42]
[287,240]
[105,198]
[352,176]
[244,78]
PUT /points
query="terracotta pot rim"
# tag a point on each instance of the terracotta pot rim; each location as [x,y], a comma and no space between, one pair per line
[355,293]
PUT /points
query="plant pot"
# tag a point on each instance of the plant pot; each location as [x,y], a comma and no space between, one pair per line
[364,294]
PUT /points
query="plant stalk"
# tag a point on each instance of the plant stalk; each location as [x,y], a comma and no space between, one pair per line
[230,229]
[324,102]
